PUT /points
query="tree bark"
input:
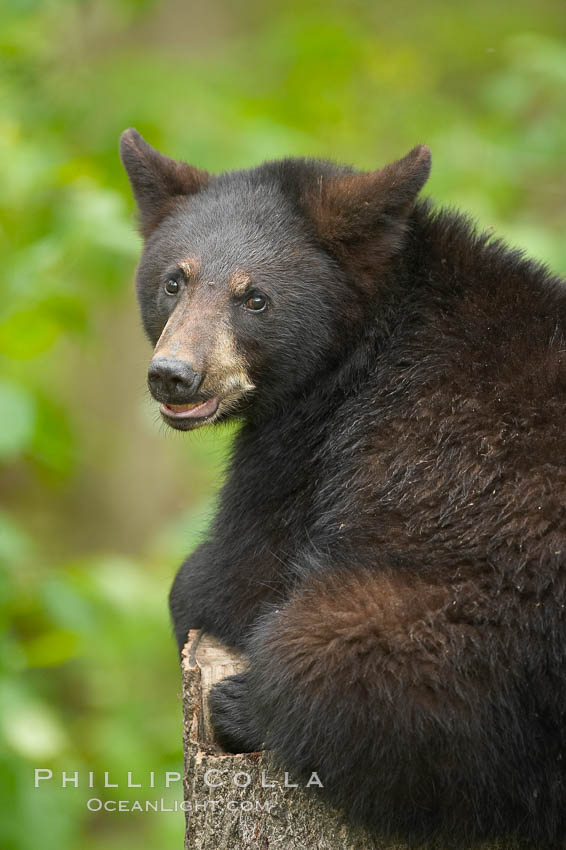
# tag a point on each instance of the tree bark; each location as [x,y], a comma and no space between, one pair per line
[241,801]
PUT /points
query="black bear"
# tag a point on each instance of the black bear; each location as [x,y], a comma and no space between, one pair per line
[390,542]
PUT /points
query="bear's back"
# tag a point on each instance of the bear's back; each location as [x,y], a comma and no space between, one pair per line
[451,458]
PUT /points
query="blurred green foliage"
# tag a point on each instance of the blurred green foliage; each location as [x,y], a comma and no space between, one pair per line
[99,504]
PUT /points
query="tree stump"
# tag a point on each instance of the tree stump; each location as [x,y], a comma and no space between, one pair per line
[234,802]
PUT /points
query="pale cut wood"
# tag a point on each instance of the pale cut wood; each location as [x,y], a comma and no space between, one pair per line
[260,813]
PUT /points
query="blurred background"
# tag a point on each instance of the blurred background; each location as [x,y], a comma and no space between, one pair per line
[99,502]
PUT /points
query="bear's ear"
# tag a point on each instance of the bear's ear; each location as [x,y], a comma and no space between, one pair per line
[156,179]
[362,216]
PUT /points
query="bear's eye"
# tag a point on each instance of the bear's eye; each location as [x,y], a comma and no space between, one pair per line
[172,286]
[255,301]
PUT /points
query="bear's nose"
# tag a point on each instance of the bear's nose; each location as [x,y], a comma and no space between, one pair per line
[172,380]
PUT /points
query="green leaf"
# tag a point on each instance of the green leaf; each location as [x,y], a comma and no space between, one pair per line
[27,333]
[17,417]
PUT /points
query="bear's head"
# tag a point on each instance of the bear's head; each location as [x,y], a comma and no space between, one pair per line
[251,282]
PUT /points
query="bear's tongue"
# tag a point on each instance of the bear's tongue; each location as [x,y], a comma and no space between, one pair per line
[197,410]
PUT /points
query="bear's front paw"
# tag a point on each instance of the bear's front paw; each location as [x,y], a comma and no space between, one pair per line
[232,719]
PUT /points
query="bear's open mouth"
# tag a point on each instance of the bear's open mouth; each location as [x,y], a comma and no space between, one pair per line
[196,410]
